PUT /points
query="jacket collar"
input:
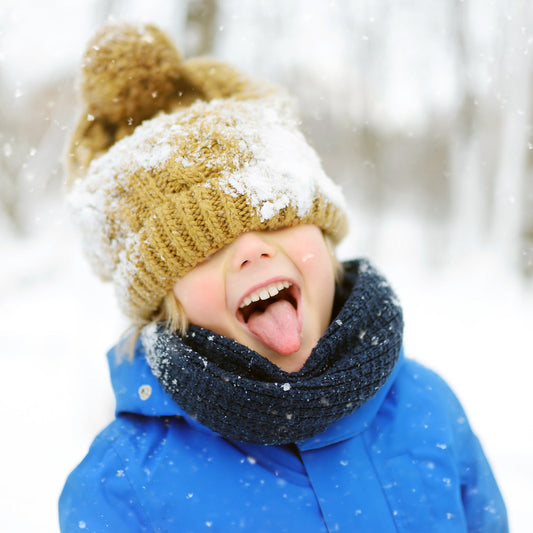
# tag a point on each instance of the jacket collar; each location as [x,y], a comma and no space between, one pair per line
[138,391]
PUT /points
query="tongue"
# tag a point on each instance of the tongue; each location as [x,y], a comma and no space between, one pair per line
[277,327]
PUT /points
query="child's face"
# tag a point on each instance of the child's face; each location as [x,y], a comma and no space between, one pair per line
[220,293]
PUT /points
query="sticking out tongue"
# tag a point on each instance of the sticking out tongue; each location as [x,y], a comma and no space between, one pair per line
[277,327]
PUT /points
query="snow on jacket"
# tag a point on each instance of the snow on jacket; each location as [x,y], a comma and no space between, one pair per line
[407,461]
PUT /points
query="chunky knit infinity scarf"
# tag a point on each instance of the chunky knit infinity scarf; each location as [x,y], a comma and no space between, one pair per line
[240,395]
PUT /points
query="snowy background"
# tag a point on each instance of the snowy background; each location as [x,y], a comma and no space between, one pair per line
[421,110]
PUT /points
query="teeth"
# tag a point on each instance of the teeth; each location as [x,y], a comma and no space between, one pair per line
[273,291]
[265,293]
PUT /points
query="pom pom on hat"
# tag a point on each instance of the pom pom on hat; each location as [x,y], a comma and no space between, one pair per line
[224,157]
[129,73]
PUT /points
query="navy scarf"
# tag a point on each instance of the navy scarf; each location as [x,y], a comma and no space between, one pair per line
[240,395]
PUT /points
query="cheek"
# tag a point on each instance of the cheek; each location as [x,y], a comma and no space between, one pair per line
[202,299]
[305,245]
[313,259]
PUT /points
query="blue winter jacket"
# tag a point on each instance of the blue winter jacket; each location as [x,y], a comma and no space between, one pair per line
[407,461]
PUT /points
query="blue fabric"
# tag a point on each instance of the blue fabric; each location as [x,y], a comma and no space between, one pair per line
[406,461]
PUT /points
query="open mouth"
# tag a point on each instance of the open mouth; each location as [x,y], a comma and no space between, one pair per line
[258,301]
[271,313]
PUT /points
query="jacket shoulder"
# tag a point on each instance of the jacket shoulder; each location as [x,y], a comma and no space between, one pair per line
[417,386]
[426,409]
[430,430]
[417,378]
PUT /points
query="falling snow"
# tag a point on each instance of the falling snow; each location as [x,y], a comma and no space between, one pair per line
[78,321]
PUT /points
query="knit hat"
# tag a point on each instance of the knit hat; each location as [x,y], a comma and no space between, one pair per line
[173,159]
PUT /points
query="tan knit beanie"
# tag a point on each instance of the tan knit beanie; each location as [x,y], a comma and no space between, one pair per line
[173,159]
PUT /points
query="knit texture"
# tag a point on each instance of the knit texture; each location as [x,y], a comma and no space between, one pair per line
[242,396]
[154,197]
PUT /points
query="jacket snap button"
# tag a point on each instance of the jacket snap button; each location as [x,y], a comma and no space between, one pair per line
[145,391]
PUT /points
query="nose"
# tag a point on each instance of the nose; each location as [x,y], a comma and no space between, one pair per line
[250,248]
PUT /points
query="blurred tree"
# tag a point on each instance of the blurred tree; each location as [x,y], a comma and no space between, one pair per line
[415,108]
[12,147]
[32,139]
[200,27]
[512,187]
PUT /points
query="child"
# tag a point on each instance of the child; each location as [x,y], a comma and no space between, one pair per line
[268,390]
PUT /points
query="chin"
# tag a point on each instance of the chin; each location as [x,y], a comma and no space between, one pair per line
[291,362]
[294,365]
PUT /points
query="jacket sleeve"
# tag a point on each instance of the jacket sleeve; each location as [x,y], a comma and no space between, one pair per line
[98,495]
[484,507]
[483,503]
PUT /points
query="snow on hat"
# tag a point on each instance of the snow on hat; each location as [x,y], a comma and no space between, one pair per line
[173,159]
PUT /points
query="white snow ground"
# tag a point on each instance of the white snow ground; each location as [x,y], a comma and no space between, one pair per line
[470,322]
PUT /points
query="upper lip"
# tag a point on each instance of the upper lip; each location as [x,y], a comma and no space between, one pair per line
[264,292]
